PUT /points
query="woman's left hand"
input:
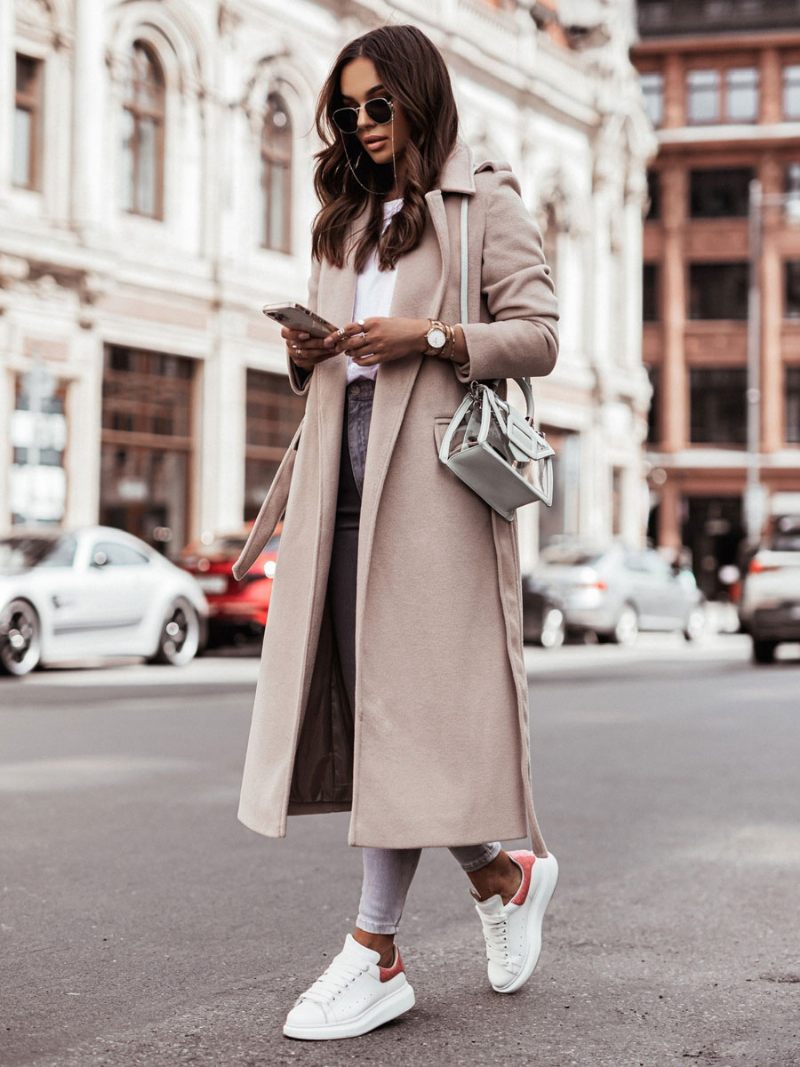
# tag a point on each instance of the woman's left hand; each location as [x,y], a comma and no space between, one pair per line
[379,339]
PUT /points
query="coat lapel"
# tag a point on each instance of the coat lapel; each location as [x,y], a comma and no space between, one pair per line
[419,290]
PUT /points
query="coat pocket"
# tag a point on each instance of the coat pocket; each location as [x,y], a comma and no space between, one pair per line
[271,510]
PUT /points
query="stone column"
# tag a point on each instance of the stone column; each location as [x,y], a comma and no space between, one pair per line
[222,442]
[669,516]
[771,92]
[89,162]
[674,92]
[7,82]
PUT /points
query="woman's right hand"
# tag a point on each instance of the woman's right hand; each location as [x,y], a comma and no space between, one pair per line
[306,351]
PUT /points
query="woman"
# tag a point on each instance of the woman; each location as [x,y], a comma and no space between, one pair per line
[393,682]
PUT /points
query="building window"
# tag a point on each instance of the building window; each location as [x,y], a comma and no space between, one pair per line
[791,91]
[147,444]
[702,88]
[793,405]
[652,84]
[741,94]
[792,289]
[653,195]
[617,499]
[718,405]
[718,194]
[562,520]
[273,414]
[650,296]
[26,167]
[791,178]
[276,176]
[653,412]
[38,441]
[718,290]
[143,134]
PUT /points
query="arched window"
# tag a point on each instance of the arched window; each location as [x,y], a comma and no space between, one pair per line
[276,176]
[143,134]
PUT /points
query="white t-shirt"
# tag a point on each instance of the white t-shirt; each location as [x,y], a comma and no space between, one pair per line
[374,290]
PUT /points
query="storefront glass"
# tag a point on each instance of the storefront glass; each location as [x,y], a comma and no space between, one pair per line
[147,445]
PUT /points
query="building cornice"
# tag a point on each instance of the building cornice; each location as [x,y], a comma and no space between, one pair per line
[742,40]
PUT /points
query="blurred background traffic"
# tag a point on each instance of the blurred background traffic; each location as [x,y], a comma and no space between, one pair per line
[155,191]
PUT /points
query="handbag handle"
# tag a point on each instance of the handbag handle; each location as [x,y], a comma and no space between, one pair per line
[523,383]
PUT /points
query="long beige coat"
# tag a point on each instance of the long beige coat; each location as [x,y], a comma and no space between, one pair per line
[436,750]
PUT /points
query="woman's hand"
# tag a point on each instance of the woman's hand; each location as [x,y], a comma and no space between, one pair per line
[306,351]
[378,340]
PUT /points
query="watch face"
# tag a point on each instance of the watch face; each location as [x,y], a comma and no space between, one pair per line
[436,337]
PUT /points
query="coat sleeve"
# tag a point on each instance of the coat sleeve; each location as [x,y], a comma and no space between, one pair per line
[522,339]
[299,379]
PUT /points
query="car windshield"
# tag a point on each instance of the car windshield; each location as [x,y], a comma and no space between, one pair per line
[222,546]
[22,553]
[564,556]
[786,542]
[232,545]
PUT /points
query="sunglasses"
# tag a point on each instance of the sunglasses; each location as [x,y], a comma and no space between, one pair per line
[379,110]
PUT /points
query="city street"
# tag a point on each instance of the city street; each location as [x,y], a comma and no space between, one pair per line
[142,924]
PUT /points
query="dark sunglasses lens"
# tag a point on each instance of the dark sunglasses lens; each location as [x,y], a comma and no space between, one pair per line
[346,119]
[379,111]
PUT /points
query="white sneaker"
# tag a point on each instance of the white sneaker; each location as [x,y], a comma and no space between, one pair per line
[351,997]
[513,931]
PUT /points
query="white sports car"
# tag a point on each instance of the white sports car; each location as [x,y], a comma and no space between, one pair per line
[91,593]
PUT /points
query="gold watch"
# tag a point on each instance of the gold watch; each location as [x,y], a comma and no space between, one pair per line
[436,338]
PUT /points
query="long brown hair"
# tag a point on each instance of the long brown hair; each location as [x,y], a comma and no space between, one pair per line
[415,76]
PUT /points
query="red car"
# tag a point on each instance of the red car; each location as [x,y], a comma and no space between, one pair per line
[235,608]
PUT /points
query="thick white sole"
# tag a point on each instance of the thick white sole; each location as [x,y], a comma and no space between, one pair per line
[542,892]
[397,1002]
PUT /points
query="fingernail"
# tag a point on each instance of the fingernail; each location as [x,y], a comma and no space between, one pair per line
[302,337]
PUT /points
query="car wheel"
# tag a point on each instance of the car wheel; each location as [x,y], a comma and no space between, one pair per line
[695,624]
[553,629]
[626,629]
[764,651]
[20,638]
[179,639]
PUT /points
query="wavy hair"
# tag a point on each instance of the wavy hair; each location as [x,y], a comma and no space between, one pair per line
[415,75]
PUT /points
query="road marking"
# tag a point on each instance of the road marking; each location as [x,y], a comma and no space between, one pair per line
[80,772]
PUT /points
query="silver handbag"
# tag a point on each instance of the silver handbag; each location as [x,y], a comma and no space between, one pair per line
[489,445]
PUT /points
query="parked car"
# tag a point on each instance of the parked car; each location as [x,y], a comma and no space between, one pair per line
[615,592]
[235,608]
[543,617]
[93,592]
[769,609]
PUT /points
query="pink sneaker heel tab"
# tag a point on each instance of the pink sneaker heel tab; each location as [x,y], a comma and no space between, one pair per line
[396,968]
[525,860]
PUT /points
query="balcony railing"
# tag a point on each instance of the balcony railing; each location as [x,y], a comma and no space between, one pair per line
[662,18]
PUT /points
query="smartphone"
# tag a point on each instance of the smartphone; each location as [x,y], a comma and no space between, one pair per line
[297,317]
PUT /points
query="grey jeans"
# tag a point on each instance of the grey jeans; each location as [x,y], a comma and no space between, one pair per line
[388,872]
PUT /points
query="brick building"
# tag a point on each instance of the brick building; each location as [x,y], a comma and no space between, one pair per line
[722,86]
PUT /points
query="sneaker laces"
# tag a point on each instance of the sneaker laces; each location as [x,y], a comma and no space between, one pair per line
[334,980]
[495,933]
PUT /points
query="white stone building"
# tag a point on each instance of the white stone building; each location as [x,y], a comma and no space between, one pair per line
[155,191]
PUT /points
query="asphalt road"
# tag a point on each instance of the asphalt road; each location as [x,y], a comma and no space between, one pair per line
[142,924]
